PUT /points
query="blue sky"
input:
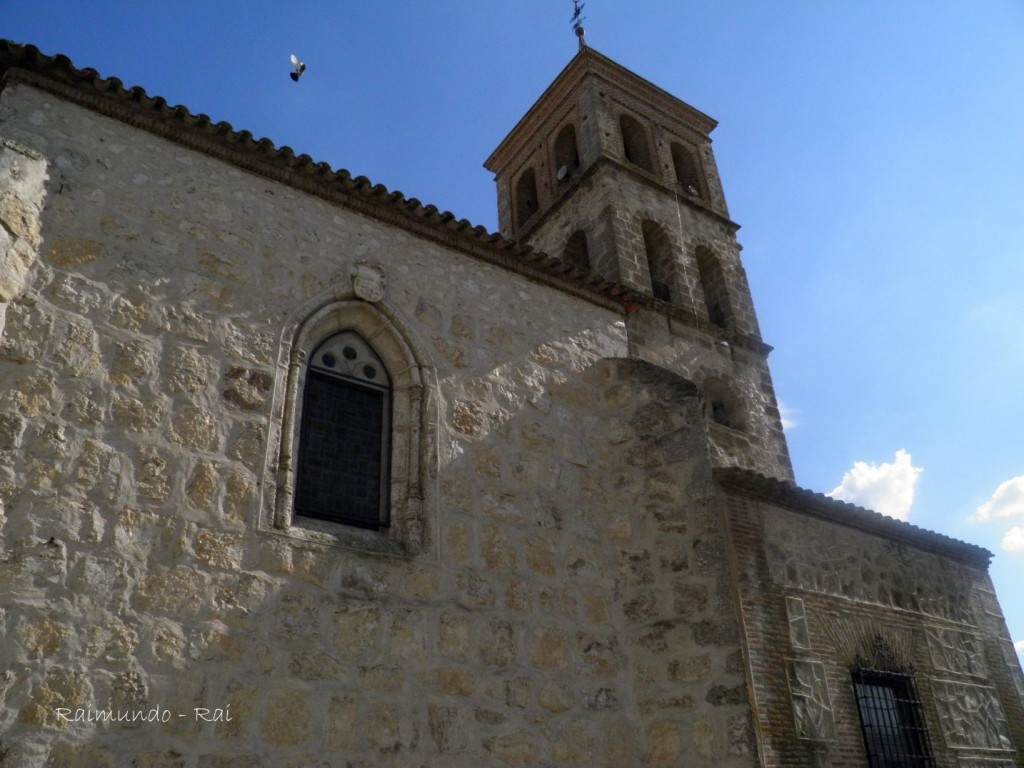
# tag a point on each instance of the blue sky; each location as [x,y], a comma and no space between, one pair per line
[873,153]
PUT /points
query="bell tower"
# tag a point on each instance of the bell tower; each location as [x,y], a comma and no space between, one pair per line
[617,177]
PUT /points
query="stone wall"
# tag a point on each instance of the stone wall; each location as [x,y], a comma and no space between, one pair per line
[820,598]
[22,183]
[567,603]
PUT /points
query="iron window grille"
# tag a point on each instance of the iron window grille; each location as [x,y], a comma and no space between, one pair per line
[344,439]
[891,719]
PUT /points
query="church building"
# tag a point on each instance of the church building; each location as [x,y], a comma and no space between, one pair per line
[297,471]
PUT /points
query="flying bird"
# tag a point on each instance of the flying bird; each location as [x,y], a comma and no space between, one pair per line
[299,68]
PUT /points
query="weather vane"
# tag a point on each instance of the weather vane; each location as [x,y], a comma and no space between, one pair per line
[577,21]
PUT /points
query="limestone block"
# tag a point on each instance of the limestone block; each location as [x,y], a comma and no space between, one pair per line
[112,641]
[194,427]
[343,724]
[664,744]
[248,443]
[451,681]
[128,314]
[203,485]
[65,755]
[187,370]
[556,697]
[219,550]
[497,643]
[41,638]
[454,636]
[27,331]
[135,362]
[153,473]
[600,652]
[78,294]
[317,666]
[86,409]
[73,251]
[248,344]
[357,628]
[12,430]
[383,733]
[518,597]
[467,418]
[458,547]
[136,415]
[16,260]
[99,467]
[549,648]
[496,549]
[423,584]
[129,693]
[690,669]
[513,749]
[447,728]
[239,491]
[541,555]
[184,321]
[176,591]
[572,745]
[247,389]
[58,690]
[409,638]
[473,592]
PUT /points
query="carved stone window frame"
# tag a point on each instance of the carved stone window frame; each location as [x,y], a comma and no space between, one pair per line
[410,492]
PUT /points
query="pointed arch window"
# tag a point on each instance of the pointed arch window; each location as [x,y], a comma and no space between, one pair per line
[344,439]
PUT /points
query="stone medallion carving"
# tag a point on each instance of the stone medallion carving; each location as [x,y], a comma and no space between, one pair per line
[368,282]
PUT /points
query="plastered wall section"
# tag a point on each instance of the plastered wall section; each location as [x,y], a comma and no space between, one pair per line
[819,599]
[568,606]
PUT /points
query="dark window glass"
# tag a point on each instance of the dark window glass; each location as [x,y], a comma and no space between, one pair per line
[343,442]
[891,720]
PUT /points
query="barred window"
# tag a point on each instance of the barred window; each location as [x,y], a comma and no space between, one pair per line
[891,720]
[344,444]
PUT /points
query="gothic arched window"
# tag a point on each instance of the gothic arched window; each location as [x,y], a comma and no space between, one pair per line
[344,437]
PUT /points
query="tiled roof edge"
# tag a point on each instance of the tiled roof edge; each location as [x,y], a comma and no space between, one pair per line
[58,75]
[756,486]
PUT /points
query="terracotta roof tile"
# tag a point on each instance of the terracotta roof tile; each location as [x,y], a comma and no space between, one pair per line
[57,74]
[757,486]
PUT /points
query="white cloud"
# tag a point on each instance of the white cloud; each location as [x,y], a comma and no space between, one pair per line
[1007,501]
[885,488]
[1013,540]
[1019,645]
[789,416]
